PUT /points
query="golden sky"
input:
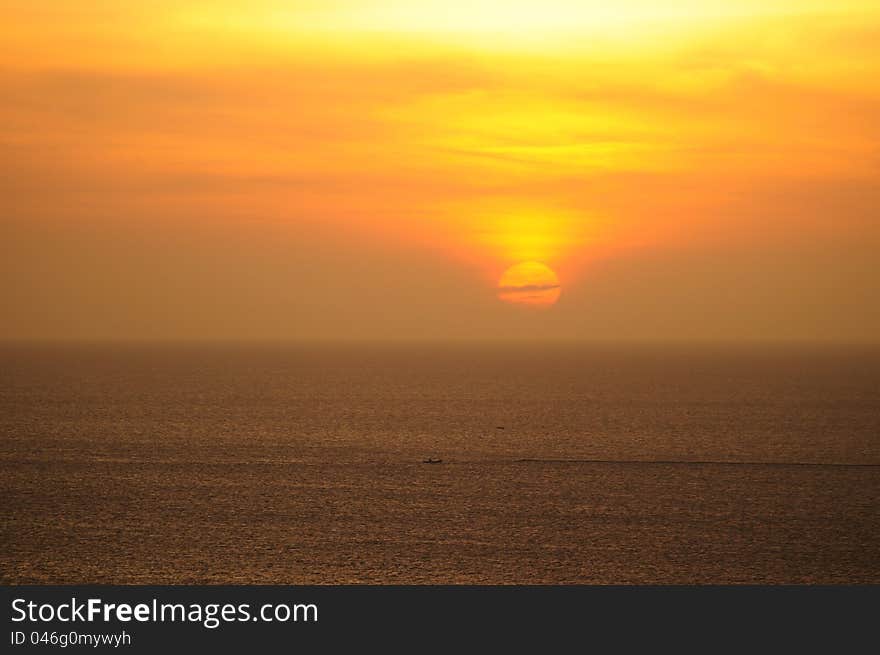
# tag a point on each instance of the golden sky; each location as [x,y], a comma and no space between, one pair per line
[371,168]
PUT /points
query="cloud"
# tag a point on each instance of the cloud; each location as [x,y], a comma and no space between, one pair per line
[527,288]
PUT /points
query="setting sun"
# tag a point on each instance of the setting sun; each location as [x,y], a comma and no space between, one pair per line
[529,283]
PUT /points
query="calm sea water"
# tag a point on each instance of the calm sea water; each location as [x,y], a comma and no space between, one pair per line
[561,464]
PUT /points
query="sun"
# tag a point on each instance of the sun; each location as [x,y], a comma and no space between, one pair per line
[530,284]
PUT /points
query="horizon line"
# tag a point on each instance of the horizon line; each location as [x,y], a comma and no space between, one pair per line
[483,340]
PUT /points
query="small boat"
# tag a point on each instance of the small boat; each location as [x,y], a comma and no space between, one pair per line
[431,460]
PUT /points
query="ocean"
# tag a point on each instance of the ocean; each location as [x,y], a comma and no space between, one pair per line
[561,463]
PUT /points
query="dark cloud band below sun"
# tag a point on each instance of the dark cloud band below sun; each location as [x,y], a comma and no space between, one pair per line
[525,288]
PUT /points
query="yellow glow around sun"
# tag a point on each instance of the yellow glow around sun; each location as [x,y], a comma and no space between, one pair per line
[517,230]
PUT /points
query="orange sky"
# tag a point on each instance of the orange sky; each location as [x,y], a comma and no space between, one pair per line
[370,168]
